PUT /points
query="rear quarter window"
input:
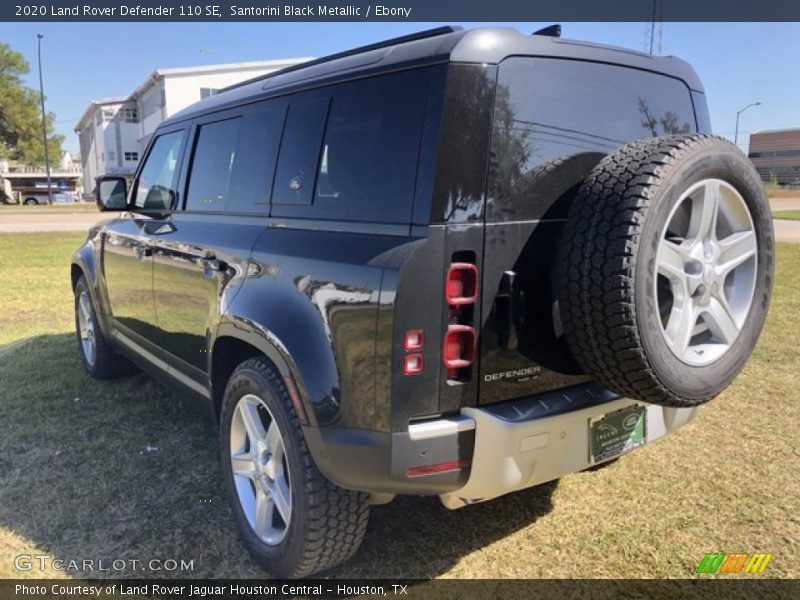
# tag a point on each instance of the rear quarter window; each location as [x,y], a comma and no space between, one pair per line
[554,119]
[362,166]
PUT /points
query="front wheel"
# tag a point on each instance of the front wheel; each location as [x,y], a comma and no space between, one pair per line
[292,519]
[98,358]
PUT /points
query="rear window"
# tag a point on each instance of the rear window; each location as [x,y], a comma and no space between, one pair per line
[549,112]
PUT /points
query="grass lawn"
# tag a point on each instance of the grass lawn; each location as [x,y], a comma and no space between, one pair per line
[79,476]
[792,215]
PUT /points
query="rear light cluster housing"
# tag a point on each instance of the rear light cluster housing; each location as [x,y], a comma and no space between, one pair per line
[461,294]
[460,340]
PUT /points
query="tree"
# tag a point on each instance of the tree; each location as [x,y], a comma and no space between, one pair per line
[20,116]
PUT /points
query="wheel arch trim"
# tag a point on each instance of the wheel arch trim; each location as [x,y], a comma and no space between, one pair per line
[267,343]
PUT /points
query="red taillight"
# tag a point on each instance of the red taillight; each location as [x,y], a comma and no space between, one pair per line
[413,364]
[461,285]
[414,339]
[459,346]
[413,342]
[454,465]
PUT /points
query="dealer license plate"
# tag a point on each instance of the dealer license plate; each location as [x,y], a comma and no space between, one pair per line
[616,432]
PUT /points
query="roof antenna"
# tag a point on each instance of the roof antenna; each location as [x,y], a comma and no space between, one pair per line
[550,31]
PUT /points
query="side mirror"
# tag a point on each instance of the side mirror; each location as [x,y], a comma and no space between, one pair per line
[112,193]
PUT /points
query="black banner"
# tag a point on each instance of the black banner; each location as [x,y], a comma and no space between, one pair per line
[474,589]
[402,10]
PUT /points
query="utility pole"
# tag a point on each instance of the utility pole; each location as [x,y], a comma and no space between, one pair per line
[44,124]
[656,29]
[739,112]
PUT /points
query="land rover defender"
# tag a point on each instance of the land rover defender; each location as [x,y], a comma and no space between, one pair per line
[456,263]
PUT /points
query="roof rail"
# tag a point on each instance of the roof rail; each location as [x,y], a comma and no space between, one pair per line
[411,37]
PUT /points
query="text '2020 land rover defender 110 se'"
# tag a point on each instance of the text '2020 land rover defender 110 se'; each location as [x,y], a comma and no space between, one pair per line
[455,263]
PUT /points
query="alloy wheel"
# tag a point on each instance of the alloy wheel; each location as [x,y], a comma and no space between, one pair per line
[260,469]
[706,266]
[86,328]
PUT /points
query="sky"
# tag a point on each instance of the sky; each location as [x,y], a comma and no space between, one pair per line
[739,63]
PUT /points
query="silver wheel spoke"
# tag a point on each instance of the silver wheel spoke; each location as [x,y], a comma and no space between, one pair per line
[273,438]
[251,420]
[704,220]
[85,308]
[735,249]
[262,522]
[671,262]
[681,327]
[720,321]
[243,465]
[282,499]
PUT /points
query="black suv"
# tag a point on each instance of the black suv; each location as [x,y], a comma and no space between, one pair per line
[458,263]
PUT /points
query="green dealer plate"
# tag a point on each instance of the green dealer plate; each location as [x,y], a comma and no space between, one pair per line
[616,432]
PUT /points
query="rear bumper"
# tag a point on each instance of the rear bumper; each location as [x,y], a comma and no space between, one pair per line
[486,452]
[513,451]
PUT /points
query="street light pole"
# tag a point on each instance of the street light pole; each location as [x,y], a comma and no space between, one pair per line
[739,112]
[44,124]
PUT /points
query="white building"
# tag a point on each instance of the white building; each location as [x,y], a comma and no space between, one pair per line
[114,132]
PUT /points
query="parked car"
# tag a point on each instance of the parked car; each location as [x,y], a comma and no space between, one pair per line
[457,263]
[30,199]
[41,198]
[65,197]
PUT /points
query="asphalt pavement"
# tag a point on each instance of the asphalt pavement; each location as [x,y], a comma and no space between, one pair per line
[32,220]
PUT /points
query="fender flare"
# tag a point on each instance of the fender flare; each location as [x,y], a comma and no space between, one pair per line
[276,352]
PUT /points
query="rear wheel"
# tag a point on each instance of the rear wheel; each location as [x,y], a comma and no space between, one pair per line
[30,201]
[293,520]
[665,268]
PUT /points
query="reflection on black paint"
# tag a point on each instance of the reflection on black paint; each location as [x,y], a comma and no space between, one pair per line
[459,188]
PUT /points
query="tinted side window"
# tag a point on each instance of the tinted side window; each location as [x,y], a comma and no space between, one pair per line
[554,119]
[365,166]
[155,188]
[300,148]
[256,154]
[234,162]
[368,167]
[212,164]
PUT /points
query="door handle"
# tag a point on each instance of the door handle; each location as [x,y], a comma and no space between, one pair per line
[507,311]
[212,264]
[144,252]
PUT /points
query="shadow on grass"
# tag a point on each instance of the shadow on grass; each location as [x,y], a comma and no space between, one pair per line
[124,470]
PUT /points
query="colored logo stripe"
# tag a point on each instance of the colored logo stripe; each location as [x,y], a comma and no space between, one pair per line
[757,563]
[733,563]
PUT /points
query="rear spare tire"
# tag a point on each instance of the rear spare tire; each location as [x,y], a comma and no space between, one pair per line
[665,268]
